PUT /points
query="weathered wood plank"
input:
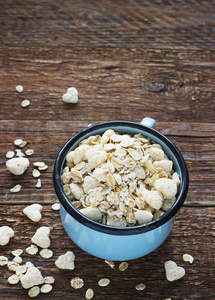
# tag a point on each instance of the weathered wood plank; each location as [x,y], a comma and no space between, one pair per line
[190,234]
[110,85]
[167,24]
[201,189]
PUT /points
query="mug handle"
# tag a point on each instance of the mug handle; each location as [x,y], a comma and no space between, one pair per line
[149,122]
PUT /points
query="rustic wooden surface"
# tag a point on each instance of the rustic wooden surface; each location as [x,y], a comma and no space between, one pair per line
[111,51]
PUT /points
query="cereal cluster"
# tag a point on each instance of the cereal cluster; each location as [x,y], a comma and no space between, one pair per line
[120,180]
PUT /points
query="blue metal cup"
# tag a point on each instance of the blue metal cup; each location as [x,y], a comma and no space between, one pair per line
[119,243]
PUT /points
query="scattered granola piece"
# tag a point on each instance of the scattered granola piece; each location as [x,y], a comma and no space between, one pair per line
[5,234]
[123,266]
[71,95]
[36,173]
[110,263]
[39,183]
[19,153]
[56,206]
[66,261]
[140,287]
[29,152]
[29,264]
[17,252]
[13,279]
[46,253]
[25,103]
[49,279]
[104,282]
[18,142]
[32,250]
[33,212]
[12,266]
[39,164]
[43,168]
[21,269]
[92,212]
[23,144]
[46,288]
[32,277]
[188,257]
[17,165]
[77,283]
[10,154]
[41,237]
[16,188]
[19,88]
[173,272]
[89,294]
[18,259]
[34,291]
[3,260]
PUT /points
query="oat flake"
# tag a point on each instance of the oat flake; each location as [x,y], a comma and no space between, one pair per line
[123,266]
[89,294]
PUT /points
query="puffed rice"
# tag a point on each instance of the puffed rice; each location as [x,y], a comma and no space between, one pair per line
[188,257]
[173,272]
[13,279]
[104,282]
[19,88]
[46,253]
[32,250]
[33,212]
[16,188]
[32,277]
[41,237]
[17,165]
[25,103]
[3,260]
[77,283]
[119,180]
[140,287]
[89,294]
[49,279]
[10,154]
[71,95]
[123,266]
[66,261]
[46,288]
[6,233]
[34,291]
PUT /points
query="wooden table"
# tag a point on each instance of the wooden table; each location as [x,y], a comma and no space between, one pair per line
[112,52]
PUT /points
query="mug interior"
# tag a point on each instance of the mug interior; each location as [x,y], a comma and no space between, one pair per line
[122,128]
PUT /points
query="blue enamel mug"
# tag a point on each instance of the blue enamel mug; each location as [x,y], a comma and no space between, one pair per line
[119,243]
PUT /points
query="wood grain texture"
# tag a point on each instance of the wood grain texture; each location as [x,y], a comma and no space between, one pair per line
[114,52]
[47,138]
[136,23]
[187,236]
[110,85]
